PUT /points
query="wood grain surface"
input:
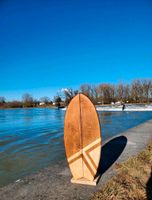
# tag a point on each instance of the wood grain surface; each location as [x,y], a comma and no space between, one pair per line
[82,138]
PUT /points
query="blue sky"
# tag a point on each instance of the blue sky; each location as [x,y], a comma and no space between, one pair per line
[46,45]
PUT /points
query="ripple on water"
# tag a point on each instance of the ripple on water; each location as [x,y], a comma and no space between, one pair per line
[31,139]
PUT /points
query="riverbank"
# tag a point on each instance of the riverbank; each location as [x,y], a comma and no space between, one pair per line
[54,181]
[133,180]
[44,106]
[147,105]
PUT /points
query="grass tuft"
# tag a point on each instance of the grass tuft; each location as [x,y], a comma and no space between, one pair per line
[133,180]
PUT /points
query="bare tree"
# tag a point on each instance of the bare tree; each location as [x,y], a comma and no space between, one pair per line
[69,94]
[120,92]
[127,93]
[2,99]
[106,93]
[146,85]
[86,89]
[90,91]
[27,100]
[150,98]
[57,100]
[137,91]
[45,99]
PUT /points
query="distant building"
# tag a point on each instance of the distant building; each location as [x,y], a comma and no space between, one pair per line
[41,103]
[118,103]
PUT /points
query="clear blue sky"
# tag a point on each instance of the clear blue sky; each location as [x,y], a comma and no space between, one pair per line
[46,45]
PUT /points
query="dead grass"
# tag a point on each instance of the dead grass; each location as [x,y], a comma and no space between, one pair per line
[132,182]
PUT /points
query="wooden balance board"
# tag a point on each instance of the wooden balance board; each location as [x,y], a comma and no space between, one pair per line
[82,139]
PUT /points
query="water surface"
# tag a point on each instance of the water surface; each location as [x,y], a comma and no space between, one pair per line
[31,139]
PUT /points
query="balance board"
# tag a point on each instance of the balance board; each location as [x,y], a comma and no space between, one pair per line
[82,138]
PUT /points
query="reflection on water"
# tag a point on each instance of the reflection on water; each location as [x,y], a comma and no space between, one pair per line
[31,139]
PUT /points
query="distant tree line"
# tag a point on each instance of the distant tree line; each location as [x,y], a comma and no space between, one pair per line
[138,91]
[26,102]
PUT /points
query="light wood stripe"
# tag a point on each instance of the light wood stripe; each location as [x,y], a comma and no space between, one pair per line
[84,149]
[75,155]
[92,148]
[92,144]
[74,159]
[85,156]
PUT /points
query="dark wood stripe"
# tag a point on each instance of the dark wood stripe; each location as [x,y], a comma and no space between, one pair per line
[91,160]
[85,161]
[89,150]
[74,159]
[88,166]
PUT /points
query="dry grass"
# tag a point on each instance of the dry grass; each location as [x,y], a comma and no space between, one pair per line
[133,180]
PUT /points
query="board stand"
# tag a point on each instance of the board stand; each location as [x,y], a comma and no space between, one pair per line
[85,181]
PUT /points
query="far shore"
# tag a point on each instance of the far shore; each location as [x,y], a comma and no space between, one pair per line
[55,107]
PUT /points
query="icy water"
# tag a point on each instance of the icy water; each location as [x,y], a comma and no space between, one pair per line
[31,139]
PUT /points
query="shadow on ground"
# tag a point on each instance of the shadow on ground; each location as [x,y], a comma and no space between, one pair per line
[111,152]
[149,188]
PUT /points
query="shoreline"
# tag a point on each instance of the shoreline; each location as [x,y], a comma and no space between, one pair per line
[97,105]
[53,182]
[53,107]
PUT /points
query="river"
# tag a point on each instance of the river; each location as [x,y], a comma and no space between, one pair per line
[31,139]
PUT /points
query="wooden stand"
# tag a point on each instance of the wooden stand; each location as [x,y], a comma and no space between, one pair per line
[84,181]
